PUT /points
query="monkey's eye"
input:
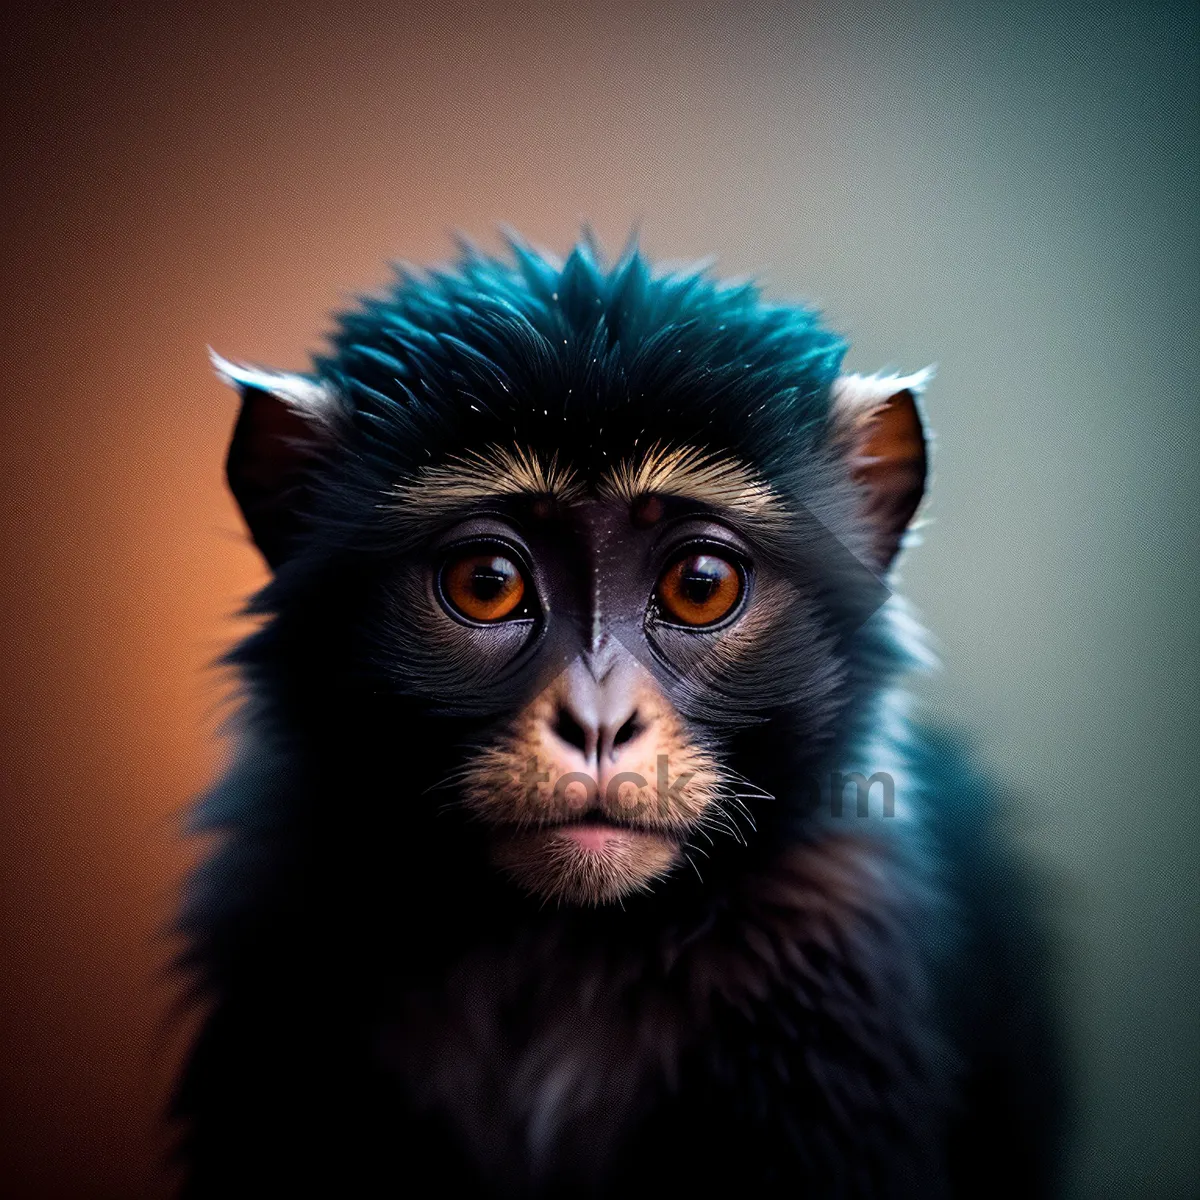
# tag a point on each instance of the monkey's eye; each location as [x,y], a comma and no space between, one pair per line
[700,589]
[484,585]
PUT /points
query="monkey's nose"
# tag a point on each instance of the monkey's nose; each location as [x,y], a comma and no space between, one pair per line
[599,740]
[597,713]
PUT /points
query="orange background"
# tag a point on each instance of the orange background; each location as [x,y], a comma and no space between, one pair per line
[1010,194]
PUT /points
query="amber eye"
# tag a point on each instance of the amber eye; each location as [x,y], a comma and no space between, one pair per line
[699,589]
[483,585]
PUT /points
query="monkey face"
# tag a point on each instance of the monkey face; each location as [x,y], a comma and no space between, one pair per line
[606,637]
[594,786]
[609,524]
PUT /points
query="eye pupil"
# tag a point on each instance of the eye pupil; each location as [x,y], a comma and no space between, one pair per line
[488,582]
[483,586]
[699,586]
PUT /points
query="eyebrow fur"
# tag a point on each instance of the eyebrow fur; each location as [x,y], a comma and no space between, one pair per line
[716,481]
[467,479]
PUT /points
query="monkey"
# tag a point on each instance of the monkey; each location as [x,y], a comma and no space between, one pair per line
[579,838]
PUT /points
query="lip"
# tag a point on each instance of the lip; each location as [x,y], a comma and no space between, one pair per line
[598,839]
[595,837]
[586,862]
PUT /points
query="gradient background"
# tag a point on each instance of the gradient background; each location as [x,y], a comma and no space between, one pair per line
[1012,195]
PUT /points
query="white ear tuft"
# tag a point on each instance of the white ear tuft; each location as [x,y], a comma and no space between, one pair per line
[305,396]
[857,397]
[875,425]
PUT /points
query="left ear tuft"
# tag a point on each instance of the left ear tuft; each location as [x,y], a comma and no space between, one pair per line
[876,422]
[304,396]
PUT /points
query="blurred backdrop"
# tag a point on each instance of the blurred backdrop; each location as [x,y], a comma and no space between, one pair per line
[1009,193]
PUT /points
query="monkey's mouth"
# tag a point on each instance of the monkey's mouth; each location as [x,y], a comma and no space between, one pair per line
[594,833]
[586,860]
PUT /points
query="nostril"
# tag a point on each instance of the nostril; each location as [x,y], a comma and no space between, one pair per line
[569,730]
[628,731]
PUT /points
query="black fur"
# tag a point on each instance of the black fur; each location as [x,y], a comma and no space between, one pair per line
[387,1016]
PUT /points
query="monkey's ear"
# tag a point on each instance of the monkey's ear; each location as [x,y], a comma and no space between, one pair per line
[877,424]
[284,424]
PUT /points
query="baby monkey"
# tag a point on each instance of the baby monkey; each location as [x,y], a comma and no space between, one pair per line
[578,843]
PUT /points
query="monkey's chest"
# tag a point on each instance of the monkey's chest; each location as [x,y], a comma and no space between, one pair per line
[784,1042]
[533,1084]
